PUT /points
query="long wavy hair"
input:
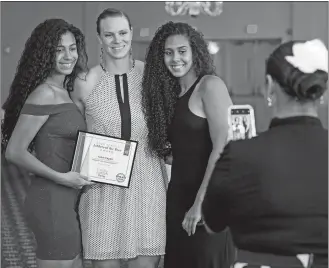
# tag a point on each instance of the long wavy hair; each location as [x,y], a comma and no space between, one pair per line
[161,89]
[35,66]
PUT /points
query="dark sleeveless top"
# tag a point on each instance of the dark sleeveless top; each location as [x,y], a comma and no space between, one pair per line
[191,146]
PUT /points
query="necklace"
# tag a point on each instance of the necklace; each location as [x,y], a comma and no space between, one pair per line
[52,85]
[105,70]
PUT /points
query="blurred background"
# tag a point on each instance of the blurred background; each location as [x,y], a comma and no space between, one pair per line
[242,35]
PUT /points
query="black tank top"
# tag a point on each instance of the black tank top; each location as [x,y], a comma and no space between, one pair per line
[191,146]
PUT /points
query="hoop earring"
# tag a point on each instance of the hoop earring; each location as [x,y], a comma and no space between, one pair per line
[269,102]
[101,55]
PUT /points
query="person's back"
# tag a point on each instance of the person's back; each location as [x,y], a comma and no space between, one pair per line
[290,177]
[272,190]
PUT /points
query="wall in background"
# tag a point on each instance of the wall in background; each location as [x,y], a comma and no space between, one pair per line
[310,20]
[274,20]
[18,19]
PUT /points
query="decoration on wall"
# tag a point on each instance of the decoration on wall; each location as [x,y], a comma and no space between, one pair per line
[194,9]
[213,47]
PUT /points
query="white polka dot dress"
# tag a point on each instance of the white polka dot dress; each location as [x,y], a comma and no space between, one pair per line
[123,223]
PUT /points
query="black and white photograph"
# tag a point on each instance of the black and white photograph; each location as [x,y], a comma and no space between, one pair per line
[153,134]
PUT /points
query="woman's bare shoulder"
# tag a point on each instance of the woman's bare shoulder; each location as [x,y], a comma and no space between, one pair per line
[212,81]
[86,81]
[214,89]
[139,66]
[42,95]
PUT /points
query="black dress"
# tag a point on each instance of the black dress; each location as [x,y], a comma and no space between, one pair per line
[191,147]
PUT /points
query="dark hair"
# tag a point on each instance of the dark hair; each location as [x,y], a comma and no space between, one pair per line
[161,88]
[35,65]
[299,85]
[111,12]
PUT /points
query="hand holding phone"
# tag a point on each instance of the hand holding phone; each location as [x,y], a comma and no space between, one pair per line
[241,120]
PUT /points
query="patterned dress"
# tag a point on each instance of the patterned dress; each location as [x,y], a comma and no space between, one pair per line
[122,223]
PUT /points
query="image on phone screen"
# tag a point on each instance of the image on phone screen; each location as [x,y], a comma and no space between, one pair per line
[242,124]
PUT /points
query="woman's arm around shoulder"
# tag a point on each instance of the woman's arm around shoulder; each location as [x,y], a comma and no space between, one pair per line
[139,66]
[83,86]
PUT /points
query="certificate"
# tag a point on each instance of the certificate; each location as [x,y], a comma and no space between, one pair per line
[104,159]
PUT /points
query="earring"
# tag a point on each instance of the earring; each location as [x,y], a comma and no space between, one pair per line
[269,102]
[321,100]
[102,56]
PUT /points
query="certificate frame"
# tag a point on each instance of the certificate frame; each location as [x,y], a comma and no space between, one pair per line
[81,153]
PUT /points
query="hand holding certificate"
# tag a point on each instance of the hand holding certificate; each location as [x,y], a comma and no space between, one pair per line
[104,159]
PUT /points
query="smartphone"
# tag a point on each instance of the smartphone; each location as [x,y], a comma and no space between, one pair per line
[241,120]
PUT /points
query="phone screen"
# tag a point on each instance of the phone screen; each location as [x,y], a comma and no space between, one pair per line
[242,124]
[240,111]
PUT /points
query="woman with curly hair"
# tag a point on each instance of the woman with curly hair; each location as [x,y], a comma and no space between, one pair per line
[38,134]
[186,108]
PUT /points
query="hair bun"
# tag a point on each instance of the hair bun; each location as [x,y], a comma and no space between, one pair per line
[310,86]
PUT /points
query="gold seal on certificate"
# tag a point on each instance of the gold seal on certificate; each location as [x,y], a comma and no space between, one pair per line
[104,159]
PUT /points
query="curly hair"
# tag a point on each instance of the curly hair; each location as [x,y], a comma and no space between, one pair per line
[35,65]
[161,89]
